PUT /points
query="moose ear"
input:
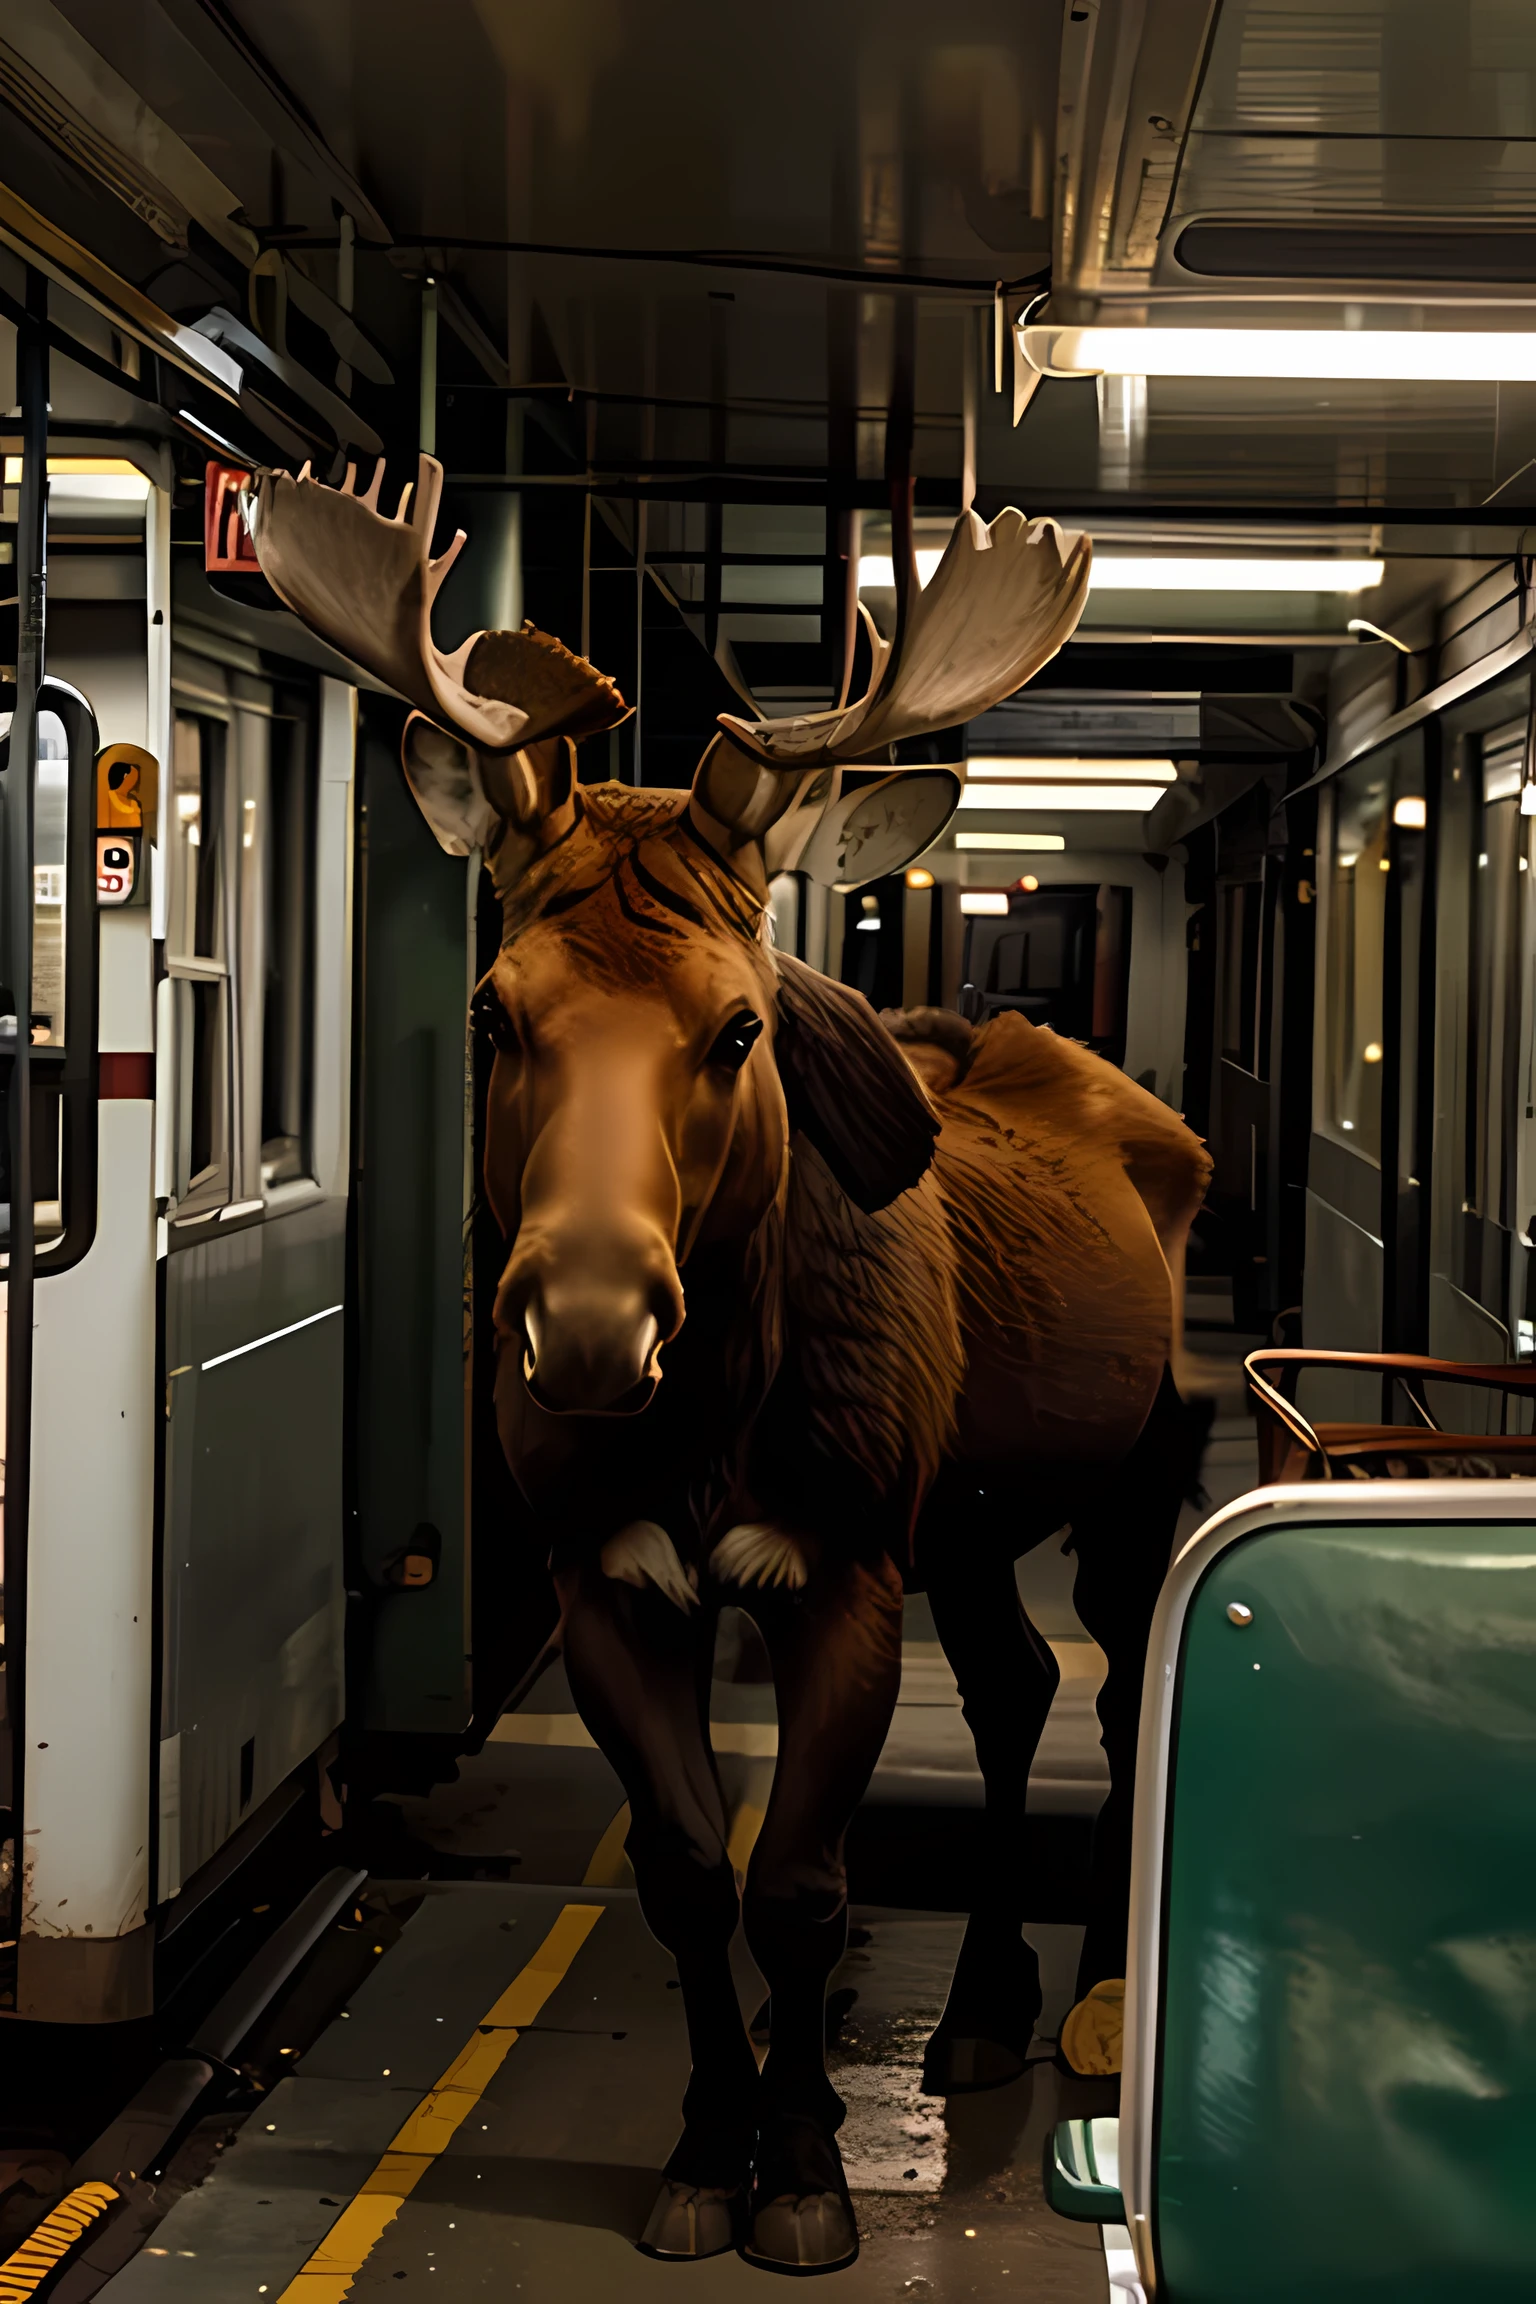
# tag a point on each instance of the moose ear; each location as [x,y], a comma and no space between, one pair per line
[465,794]
[849,1089]
[881,827]
[444,775]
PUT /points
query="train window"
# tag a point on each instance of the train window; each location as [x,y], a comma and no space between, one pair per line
[1353,1022]
[1241,923]
[49,849]
[288,910]
[1493,1037]
[195,927]
[196,940]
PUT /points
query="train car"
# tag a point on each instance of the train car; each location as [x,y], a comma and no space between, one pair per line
[322,1957]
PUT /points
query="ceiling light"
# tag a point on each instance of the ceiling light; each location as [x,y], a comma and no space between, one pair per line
[1085,771]
[1022,843]
[1412,814]
[877,572]
[88,479]
[1029,883]
[919,877]
[1125,572]
[1148,572]
[983,901]
[1370,355]
[1123,799]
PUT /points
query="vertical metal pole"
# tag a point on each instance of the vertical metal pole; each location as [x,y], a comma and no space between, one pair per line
[969,364]
[20,785]
[427,427]
[642,510]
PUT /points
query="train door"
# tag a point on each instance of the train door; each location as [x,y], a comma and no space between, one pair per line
[1057,955]
[1364,1287]
[1479,1291]
[252,1147]
[81,1484]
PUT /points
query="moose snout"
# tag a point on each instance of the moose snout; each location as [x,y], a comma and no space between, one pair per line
[589,1319]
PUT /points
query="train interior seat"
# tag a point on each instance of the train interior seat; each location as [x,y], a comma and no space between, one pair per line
[1336,1686]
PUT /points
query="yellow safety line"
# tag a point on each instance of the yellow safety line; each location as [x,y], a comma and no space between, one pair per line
[610,1867]
[44,2248]
[328,2276]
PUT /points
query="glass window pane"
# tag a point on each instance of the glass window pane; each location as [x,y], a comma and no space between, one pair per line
[195,927]
[49,845]
[289,897]
[1353,1023]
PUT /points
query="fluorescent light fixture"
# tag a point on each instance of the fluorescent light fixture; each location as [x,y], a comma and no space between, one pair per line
[1148,572]
[1127,572]
[1411,814]
[983,902]
[1079,771]
[1123,799]
[1334,355]
[89,479]
[1527,802]
[877,572]
[1022,843]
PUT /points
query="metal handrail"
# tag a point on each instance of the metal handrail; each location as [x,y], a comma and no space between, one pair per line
[1292,1362]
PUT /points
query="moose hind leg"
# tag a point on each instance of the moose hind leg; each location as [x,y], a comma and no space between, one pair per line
[1007,1678]
[638,1664]
[836,1655]
[1123,1539]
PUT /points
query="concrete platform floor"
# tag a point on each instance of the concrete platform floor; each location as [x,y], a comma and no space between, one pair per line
[532,2173]
[491,2113]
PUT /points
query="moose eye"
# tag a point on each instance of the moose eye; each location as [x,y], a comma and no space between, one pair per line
[489,1016]
[735,1041]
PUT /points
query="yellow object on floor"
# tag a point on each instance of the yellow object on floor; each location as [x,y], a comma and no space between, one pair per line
[1093,2036]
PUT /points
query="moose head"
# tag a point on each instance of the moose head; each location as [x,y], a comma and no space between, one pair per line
[653,1053]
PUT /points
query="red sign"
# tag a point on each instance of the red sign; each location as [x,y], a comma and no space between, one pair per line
[227,548]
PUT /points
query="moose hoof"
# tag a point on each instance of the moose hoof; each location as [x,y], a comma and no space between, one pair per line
[961,2064]
[692,2220]
[983,2038]
[801,2218]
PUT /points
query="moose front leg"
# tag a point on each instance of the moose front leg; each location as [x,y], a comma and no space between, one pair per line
[638,1647]
[835,1646]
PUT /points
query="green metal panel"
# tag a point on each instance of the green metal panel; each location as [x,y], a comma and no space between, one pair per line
[410,1195]
[1347,2093]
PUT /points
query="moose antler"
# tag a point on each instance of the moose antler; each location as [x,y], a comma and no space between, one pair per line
[366,584]
[1000,603]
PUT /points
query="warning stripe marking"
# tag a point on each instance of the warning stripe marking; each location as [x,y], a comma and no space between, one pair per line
[43,2250]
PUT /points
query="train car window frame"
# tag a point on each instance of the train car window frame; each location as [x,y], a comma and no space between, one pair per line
[1359,846]
[63,1061]
[198,941]
[242,958]
[1356,833]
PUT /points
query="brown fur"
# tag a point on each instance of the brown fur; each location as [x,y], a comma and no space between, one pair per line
[873,1311]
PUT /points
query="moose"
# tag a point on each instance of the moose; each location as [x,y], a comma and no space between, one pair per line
[798,1309]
